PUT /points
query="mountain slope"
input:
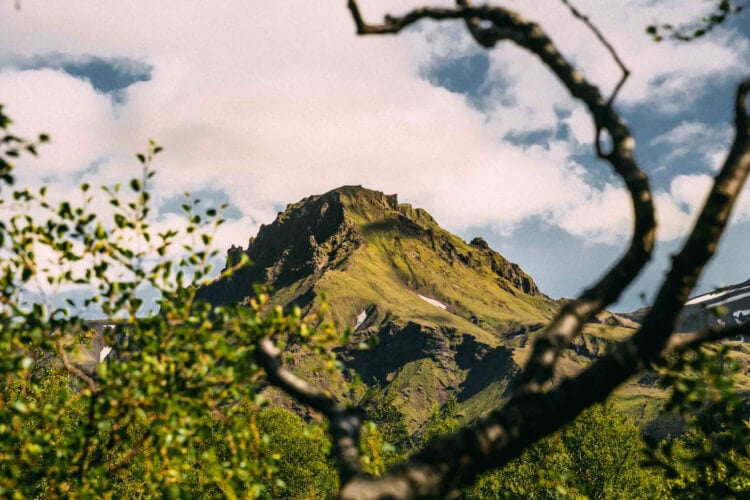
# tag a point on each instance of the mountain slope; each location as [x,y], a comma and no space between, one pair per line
[439,307]
[450,318]
[364,250]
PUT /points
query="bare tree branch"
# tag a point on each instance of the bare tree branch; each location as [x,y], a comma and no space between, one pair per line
[530,414]
[344,423]
[502,435]
[503,24]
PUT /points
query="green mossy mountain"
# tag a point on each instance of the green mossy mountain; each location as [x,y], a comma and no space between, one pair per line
[441,309]
[445,318]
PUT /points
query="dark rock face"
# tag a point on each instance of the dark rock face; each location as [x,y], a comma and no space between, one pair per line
[485,364]
[398,346]
[395,348]
[303,239]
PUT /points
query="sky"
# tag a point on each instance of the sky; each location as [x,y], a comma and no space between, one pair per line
[260,104]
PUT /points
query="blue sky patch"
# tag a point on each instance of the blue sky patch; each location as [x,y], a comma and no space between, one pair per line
[464,75]
[108,75]
[209,198]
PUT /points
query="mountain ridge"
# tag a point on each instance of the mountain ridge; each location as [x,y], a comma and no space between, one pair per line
[320,232]
[443,318]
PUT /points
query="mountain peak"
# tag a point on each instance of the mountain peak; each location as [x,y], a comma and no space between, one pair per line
[363,205]
[321,233]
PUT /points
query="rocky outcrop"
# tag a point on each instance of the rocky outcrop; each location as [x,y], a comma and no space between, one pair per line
[321,232]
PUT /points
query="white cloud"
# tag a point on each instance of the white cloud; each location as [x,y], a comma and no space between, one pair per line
[690,191]
[678,208]
[603,216]
[274,102]
[78,118]
[582,126]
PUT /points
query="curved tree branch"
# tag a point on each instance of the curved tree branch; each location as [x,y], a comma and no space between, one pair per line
[72,369]
[502,435]
[530,414]
[488,25]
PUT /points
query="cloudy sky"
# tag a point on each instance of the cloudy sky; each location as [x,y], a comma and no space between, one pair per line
[262,103]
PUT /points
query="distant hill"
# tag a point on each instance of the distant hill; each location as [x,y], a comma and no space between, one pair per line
[727,306]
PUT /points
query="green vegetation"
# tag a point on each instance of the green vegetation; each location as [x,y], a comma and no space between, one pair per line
[178,412]
[597,456]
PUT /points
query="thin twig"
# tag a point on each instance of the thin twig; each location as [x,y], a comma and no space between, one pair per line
[603,40]
[72,369]
[625,72]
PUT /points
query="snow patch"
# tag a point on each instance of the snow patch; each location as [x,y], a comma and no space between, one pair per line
[361,319]
[104,353]
[716,295]
[433,302]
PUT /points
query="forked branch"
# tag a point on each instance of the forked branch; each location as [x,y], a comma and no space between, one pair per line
[532,412]
[490,443]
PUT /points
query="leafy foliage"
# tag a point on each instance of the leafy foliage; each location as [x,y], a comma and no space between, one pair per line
[177,413]
[711,459]
[597,456]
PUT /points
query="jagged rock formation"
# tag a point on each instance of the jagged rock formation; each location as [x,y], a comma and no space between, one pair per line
[320,233]
[434,307]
